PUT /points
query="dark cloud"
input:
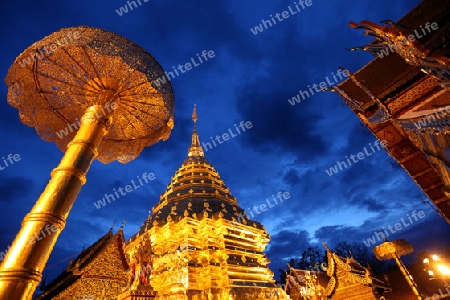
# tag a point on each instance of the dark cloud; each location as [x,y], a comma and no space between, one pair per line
[12,189]
[333,235]
[277,127]
[291,177]
[286,244]
[372,205]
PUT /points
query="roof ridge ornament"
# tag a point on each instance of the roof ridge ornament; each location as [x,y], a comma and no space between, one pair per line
[123,224]
[391,37]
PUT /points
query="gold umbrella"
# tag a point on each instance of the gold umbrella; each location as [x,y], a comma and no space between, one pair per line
[93,93]
[394,250]
[90,66]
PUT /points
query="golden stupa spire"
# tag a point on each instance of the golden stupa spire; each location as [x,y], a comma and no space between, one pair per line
[195,149]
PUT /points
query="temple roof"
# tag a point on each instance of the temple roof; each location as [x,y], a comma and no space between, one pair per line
[390,84]
[74,271]
[196,178]
[388,77]
[351,265]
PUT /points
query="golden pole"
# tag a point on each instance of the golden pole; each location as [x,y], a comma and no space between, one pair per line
[21,269]
[405,273]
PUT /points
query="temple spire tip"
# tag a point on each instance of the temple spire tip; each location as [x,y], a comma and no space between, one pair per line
[194,114]
[195,149]
[122,225]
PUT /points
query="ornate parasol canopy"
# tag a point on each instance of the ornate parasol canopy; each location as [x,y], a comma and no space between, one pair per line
[388,250]
[56,79]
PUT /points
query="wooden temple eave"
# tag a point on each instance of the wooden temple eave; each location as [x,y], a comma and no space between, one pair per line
[408,77]
[411,104]
[397,94]
[411,97]
[396,74]
[401,90]
[405,147]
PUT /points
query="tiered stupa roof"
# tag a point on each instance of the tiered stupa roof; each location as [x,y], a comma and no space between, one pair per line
[197,190]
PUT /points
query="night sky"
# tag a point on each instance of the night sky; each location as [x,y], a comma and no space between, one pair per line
[250,78]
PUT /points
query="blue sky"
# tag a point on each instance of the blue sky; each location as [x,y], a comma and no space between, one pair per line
[250,78]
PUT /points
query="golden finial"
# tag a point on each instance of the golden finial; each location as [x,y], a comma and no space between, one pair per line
[325,245]
[194,114]
[123,223]
[195,149]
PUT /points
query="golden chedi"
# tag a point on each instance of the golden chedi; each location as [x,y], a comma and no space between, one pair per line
[203,246]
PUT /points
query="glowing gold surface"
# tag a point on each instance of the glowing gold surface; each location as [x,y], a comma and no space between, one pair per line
[99,272]
[102,83]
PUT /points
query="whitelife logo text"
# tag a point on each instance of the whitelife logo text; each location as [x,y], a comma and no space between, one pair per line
[355,158]
[302,95]
[411,38]
[168,76]
[51,48]
[398,226]
[109,106]
[281,17]
[225,136]
[123,191]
